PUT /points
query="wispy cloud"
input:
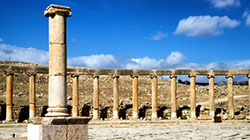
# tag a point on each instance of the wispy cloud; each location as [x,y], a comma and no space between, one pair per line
[158,36]
[1,40]
[225,3]
[246,15]
[205,25]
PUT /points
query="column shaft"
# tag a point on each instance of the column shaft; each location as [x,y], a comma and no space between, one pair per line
[115,98]
[211,96]
[135,97]
[230,95]
[192,97]
[9,96]
[57,60]
[154,97]
[32,95]
[75,94]
[249,89]
[173,97]
[96,97]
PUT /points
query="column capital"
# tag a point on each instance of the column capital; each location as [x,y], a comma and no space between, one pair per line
[74,75]
[9,73]
[172,76]
[192,75]
[153,76]
[211,76]
[134,76]
[57,10]
[95,76]
[230,76]
[115,76]
[31,74]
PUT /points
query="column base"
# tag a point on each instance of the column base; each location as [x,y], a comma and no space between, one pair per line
[115,115]
[135,116]
[63,128]
[57,112]
[95,115]
[154,116]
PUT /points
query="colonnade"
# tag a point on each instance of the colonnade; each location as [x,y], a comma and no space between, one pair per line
[134,78]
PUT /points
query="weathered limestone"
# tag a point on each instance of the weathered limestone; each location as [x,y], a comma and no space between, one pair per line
[211,96]
[95,97]
[192,97]
[32,95]
[75,94]
[230,96]
[173,97]
[57,60]
[115,97]
[9,96]
[154,97]
[135,96]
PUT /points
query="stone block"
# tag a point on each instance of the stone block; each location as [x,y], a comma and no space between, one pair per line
[78,132]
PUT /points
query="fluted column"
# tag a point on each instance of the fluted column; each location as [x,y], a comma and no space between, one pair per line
[115,97]
[230,95]
[211,96]
[135,96]
[192,97]
[32,95]
[57,60]
[154,97]
[9,96]
[96,97]
[75,95]
[173,97]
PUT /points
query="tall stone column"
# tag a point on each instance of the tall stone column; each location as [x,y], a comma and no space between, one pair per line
[249,89]
[57,60]
[154,97]
[135,96]
[211,96]
[192,97]
[230,95]
[115,97]
[9,96]
[173,97]
[96,97]
[75,94]
[32,95]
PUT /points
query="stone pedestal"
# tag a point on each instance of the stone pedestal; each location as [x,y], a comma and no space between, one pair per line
[58,128]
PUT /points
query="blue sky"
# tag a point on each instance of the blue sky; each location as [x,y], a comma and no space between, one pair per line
[141,34]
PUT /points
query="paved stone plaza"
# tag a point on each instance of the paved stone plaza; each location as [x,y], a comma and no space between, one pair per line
[155,131]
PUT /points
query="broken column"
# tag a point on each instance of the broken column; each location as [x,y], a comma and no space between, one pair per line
[32,95]
[115,97]
[75,94]
[154,97]
[230,96]
[211,96]
[95,97]
[135,96]
[9,96]
[57,124]
[173,97]
[192,97]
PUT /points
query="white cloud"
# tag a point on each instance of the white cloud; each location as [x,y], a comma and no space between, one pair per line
[95,61]
[144,63]
[32,55]
[225,3]
[175,58]
[246,15]
[1,40]
[158,36]
[205,25]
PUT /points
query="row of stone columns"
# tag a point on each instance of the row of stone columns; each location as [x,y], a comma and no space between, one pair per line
[75,96]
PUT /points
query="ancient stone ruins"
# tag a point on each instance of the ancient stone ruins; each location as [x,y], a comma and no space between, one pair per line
[61,121]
